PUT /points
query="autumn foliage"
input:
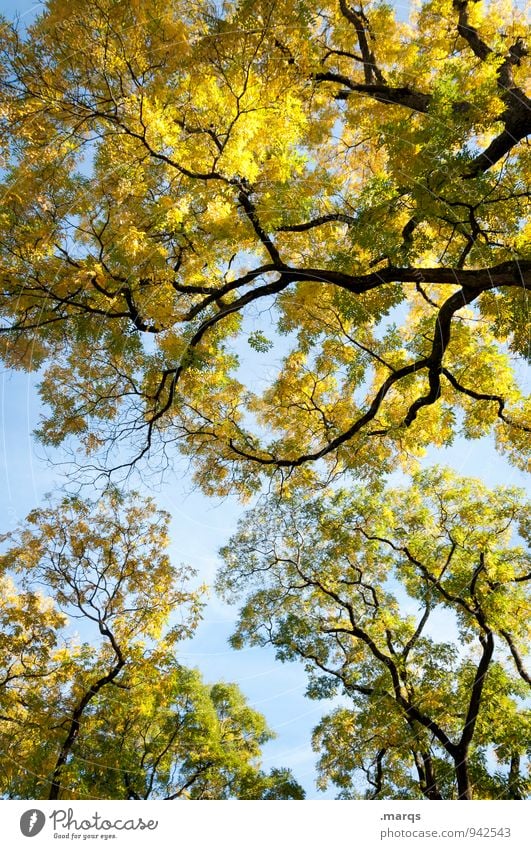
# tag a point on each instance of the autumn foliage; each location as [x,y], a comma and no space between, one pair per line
[287,240]
[361,178]
[103,709]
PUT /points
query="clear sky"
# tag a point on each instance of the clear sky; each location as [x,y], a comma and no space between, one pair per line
[199,527]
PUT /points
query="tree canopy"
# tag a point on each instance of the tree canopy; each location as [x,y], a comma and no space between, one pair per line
[199,177]
[351,583]
[284,239]
[104,709]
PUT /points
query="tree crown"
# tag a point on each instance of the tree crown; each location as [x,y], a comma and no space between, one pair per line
[198,179]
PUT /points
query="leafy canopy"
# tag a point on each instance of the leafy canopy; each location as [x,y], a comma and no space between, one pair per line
[201,175]
[93,700]
[413,604]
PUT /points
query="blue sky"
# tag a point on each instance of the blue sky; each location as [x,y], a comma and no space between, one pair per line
[199,527]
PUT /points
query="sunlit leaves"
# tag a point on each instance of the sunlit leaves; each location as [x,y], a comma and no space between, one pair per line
[408,602]
[93,701]
[193,168]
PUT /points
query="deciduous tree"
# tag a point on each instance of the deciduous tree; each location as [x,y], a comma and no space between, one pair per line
[109,712]
[354,584]
[195,177]
[199,186]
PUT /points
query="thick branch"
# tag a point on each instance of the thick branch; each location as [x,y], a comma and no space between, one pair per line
[470,33]
[377,783]
[317,222]
[517,127]
[250,211]
[75,722]
[440,343]
[487,644]
[511,273]
[517,115]
[431,790]
[516,657]
[406,96]
[359,21]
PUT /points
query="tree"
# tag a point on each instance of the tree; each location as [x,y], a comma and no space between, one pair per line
[176,738]
[362,179]
[350,583]
[199,184]
[109,712]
